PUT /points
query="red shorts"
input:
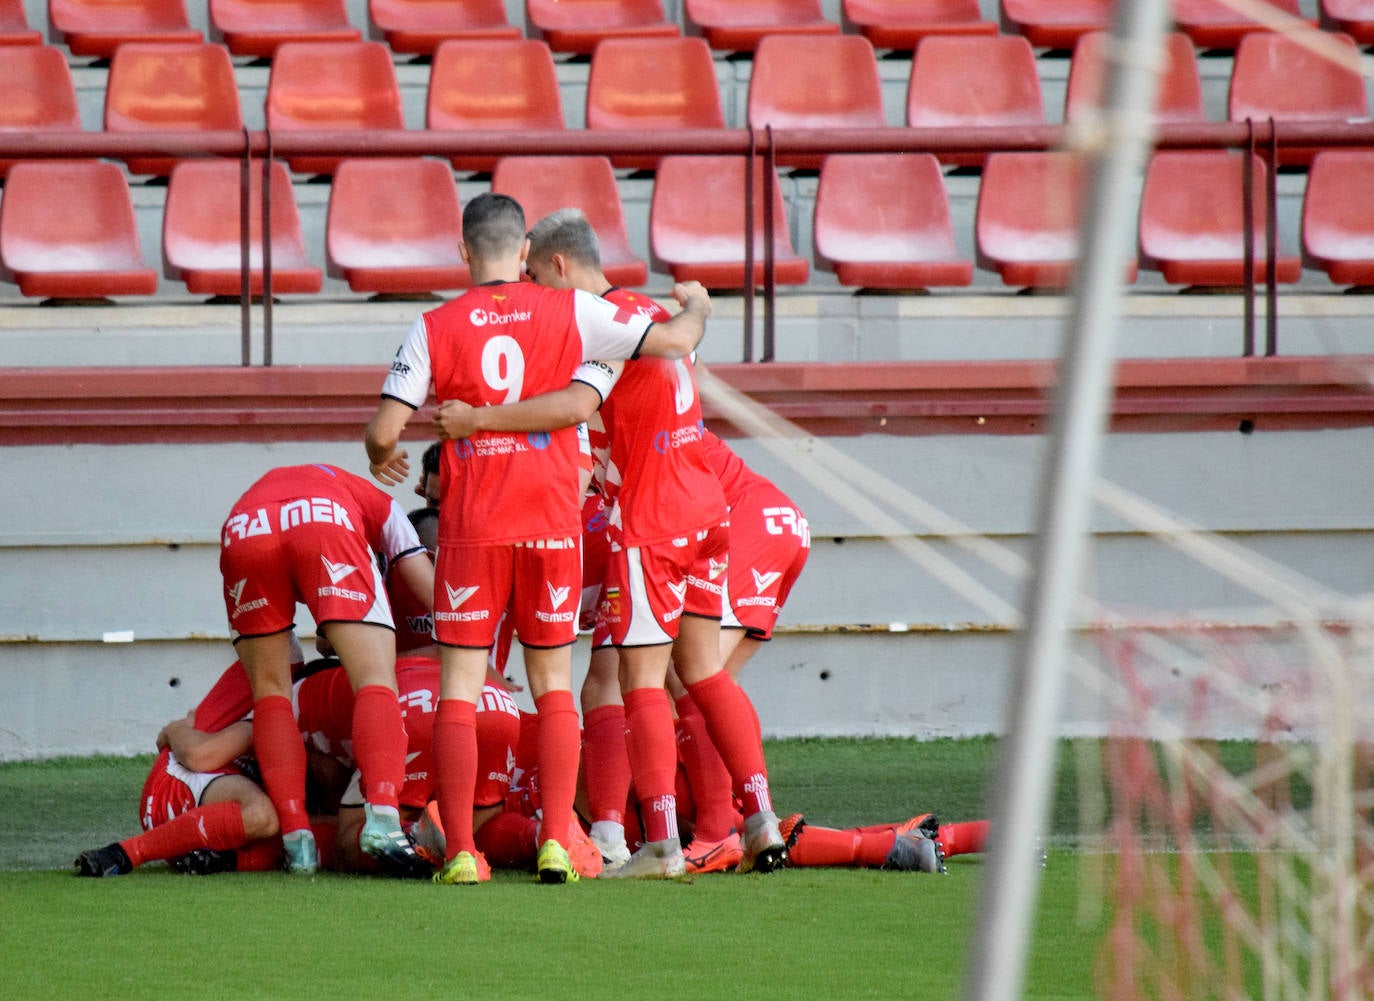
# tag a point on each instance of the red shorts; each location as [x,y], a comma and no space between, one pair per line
[538,581]
[327,566]
[596,547]
[768,549]
[649,588]
[171,789]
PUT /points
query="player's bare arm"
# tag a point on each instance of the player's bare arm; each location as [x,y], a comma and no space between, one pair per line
[561,408]
[679,337]
[386,460]
[201,751]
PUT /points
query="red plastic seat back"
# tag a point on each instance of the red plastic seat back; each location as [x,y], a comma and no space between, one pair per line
[1214,24]
[36,93]
[419,26]
[1055,24]
[492,85]
[739,25]
[98,27]
[14,25]
[169,87]
[332,86]
[544,184]
[1179,94]
[974,81]
[1354,17]
[1278,76]
[901,24]
[1338,216]
[577,26]
[259,27]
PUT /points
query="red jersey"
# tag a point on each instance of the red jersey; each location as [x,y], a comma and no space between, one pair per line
[500,343]
[656,474]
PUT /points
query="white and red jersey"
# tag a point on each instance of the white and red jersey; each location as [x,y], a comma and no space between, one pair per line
[657,478]
[500,343]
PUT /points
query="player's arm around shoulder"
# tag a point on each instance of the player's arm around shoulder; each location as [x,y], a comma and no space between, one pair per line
[679,337]
[560,408]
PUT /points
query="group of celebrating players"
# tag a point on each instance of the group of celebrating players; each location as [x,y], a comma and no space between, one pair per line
[577,488]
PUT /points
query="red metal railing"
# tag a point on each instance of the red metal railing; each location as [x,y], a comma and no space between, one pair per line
[1265,137]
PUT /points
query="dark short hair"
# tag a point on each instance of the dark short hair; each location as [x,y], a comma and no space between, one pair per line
[426,523]
[429,462]
[493,225]
[566,232]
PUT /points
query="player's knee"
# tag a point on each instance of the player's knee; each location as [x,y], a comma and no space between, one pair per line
[259,818]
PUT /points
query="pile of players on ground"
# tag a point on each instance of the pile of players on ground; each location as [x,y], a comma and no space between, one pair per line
[572,460]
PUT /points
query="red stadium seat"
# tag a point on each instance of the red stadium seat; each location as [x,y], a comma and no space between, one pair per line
[1213,24]
[259,27]
[1354,17]
[1192,219]
[1338,216]
[544,184]
[652,83]
[98,27]
[67,231]
[201,245]
[394,226]
[814,82]
[900,24]
[36,93]
[737,25]
[1029,211]
[696,223]
[1055,24]
[418,26]
[974,81]
[882,221]
[1179,98]
[170,86]
[1277,76]
[503,84]
[333,86]
[14,25]
[577,25]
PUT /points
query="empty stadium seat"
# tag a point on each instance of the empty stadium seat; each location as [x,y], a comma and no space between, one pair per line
[36,93]
[394,226]
[98,27]
[258,27]
[900,24]
[1338,216]
[544,184]
[14,25]
[696,223]
[1028,218]
[335,86]
[652,83]
[418,26]
[1178,99]
[1277,76]
[1055,24]
[67,231]
[1214,24]
[882,221]
[1354,17]
[974,81]
[1192,219]
[502,84]
[814,82]
[577,25]
[167,87]
[201,243]
[737,25]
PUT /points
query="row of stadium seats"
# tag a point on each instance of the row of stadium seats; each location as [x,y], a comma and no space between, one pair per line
[257,27]
[796,82]
[67,228]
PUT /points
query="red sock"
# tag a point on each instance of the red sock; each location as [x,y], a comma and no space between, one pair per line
[709,778]
[558,760]
[606,762]
[262,855]
[218,826]
[455,761]
[733,726]
[281,758]
[379,744]
[827,846]
[523,797]
[509,841]
[964,838]
[653,759]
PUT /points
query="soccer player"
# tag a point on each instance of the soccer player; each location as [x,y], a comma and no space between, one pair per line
[314,534]
[920,844]
[509,504]
[663,592]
